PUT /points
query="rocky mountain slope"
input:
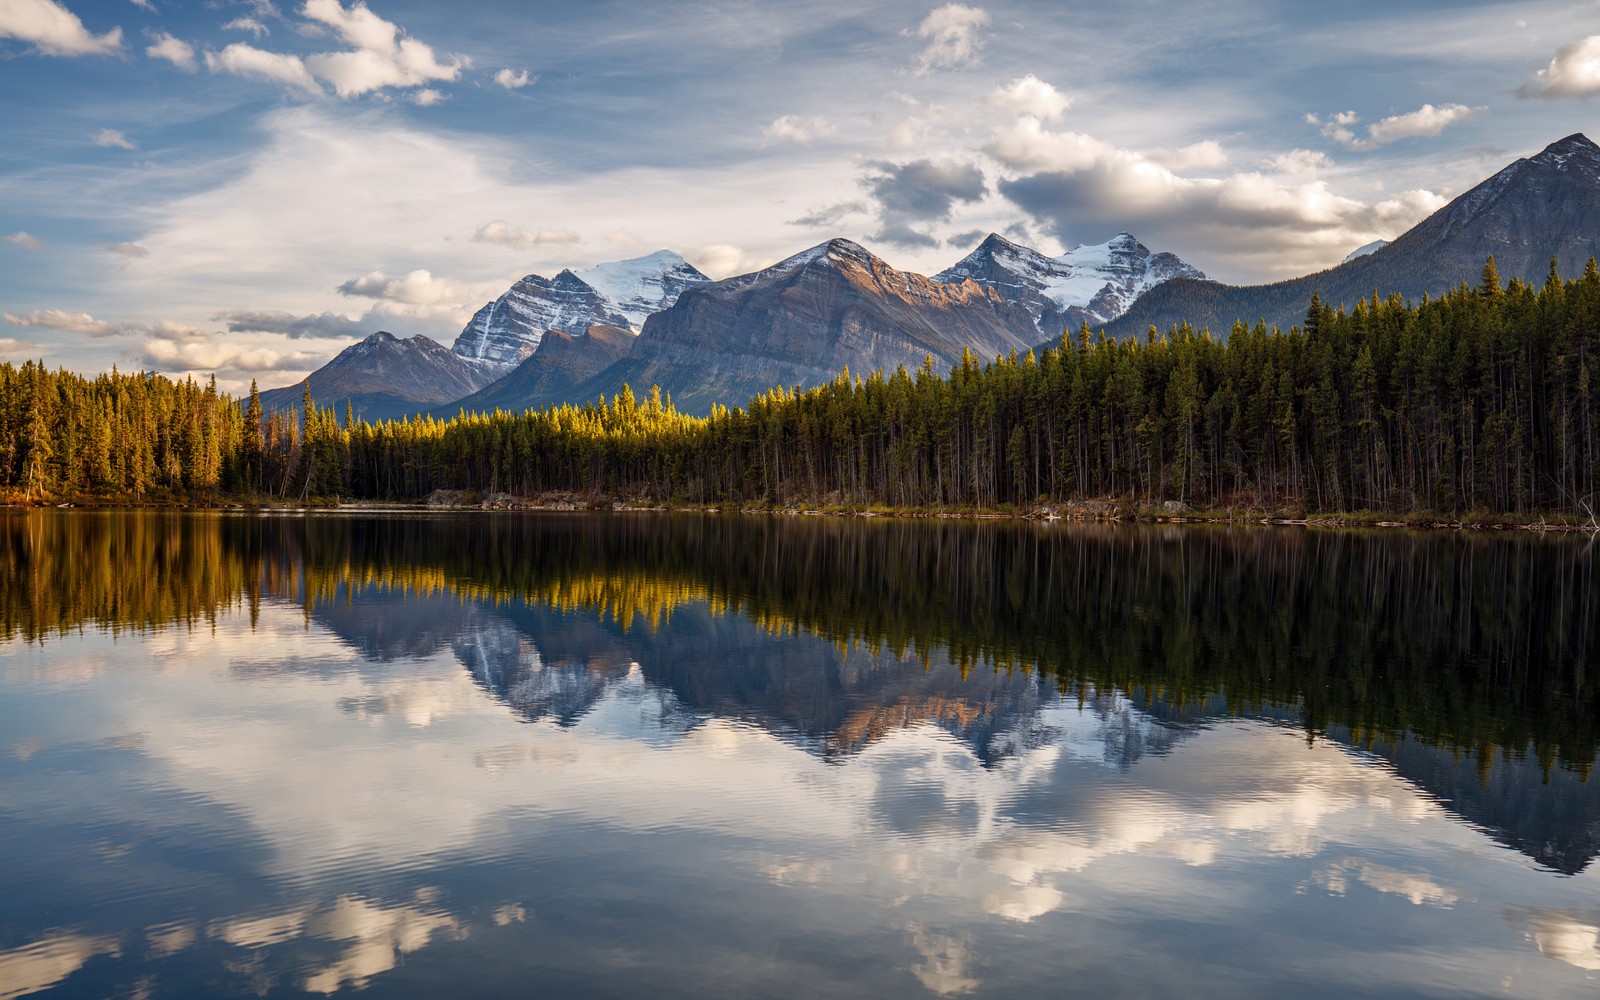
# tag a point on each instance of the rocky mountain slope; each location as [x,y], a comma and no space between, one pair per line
[619,294]
[387,378]
[1089,284]
[553,371]
[1537,208]
[804,319]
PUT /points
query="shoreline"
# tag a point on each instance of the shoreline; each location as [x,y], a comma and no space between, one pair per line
[1103,511]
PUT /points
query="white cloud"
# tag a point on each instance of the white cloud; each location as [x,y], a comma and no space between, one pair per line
[501,232]
[720,260]
[111,138]
[1030,95]
[1073,182]
[1207,153]
[144,5]
[250,24]
[793,128]
[427,97]
[383,56]
[1427,120]
[127,250]
[954,39]
[1308,162]
[209,356]
[53,29]
[23,238]
[514,79]
[174,50]
[60,319]
[13,346]
[257,64]
[1574,71]
[419,287]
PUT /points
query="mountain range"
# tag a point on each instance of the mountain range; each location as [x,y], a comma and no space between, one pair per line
[656,320]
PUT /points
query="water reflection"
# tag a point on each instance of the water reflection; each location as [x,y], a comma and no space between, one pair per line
[730,756]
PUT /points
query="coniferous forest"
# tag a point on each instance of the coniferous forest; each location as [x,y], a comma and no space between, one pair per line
[1482,400]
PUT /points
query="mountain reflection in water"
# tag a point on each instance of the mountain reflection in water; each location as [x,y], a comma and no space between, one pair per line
[994,722]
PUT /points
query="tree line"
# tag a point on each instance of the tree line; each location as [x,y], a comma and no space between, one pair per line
[1483,399]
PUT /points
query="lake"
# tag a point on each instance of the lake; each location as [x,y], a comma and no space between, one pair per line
[611,754]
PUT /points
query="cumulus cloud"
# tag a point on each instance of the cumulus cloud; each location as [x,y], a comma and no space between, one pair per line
[1030,95]
[793,128]
[1427,120]
[383,55]
[920,192]
[210,356]
[319,326]
[252,63]
[69,322]
[1306,162]
[514,79]
[427,97]
[501,232]
[53,29]
[1079,185]
[419,287]
[11,346]
[24,239]
[1205,154]
[720,260]
[174,50]
[250,24]
[1574,71]
[954,34]
[111,138]
[127,250]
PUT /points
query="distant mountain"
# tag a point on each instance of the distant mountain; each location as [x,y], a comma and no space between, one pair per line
[1089,284]
[1537,208]
[387,378]
[556,367]
[804,319]
[619,294]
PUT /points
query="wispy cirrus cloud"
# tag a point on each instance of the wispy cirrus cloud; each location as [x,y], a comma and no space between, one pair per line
[24,239]
[954,35]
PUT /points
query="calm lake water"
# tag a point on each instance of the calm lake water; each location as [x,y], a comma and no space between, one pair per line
[617,755]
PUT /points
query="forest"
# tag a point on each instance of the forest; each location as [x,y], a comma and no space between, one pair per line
[1481,400]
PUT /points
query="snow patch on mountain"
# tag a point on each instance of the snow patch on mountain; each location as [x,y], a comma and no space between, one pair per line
[1372,247]
[621,294]
[643,285]
[1092,283]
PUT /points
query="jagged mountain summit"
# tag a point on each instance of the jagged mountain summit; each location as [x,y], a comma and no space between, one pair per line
[1092,283]
[804,319]
[553,371]
[618,294]
[1541,207]
[385,378]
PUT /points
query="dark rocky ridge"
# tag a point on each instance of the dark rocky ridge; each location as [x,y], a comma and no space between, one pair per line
[386,378]
[1537,208]
[554,370]
[803,320]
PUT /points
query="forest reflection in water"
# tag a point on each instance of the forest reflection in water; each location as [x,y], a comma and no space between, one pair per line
[848,708]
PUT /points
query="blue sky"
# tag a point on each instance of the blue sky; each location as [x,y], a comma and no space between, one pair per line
[246,187]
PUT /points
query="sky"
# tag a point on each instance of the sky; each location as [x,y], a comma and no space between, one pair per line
[245,187]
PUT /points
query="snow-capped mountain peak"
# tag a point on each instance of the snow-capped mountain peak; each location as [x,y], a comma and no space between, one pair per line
[1362,251]
[643,285]
[1091,283]
[620,293]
